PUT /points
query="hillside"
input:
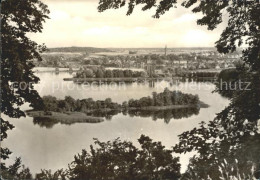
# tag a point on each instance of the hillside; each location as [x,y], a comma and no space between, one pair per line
[79,49]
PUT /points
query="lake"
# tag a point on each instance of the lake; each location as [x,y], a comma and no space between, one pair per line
[53,148]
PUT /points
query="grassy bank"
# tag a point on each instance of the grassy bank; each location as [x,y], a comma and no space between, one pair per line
[65,117]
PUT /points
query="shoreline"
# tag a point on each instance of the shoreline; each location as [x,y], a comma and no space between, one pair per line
[82,80]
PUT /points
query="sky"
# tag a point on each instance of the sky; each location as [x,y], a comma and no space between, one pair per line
[78,23]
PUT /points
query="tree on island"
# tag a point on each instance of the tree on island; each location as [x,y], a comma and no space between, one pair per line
[92,72]
[99,73]
[109,74]
[239,121]
[165,98]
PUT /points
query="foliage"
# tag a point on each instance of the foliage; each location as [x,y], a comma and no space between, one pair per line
[227,82]
[103,73]
[70,104]
[51,61]
[122,160]
[111,160]
[220,160]
[166,98]
[19,17]
[47,175]
[16,171]
[201,74]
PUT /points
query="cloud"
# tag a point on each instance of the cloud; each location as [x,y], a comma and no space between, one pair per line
[98,31]
[185,18]
[78,23]
[195,35]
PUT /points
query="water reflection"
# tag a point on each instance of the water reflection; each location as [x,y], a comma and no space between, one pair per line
[44,122]
[151,82]
[166,115]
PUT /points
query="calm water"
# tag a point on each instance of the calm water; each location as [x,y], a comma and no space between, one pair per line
[53,148]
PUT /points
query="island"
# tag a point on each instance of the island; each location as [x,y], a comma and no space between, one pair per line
[93,74]
[70,111]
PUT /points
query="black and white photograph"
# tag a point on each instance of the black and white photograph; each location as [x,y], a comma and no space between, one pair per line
[130,90]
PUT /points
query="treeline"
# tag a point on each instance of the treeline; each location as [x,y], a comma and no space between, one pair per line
[201,74]
[110,160]
[119,159]
[106,73]
[78,49]
[59,60]
[52,61]
[70,104]
[166,98]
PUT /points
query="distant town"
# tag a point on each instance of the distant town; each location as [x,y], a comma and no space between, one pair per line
[156,62]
